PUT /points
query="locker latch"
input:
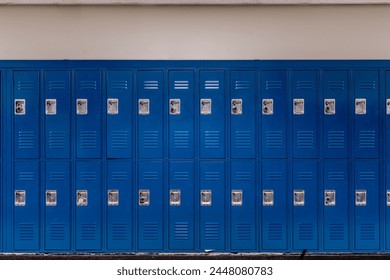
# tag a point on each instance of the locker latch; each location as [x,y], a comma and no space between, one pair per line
[268,106]
[20,106]
[361,198]
[299,198]
[205,106]
[268,198]
[51,106]
[299,106]
[388,106]
[330,198]
[174,197]
[388,198]
[360,106]
[236,197]
[144,197]
[82,198]
[236,106]
[113,197]
[174,106]
[143,106]
[51,198]
[112,106]
[82,106]
[20,198]
[330,106]
[205,197]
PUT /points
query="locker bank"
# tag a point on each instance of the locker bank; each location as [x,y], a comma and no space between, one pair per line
[195,156]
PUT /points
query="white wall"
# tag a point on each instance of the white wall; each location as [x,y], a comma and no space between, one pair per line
[195,32]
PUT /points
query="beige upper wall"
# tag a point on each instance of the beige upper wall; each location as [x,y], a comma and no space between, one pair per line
[256,32]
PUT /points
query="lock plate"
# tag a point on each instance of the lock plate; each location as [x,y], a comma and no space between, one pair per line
[82,198]
[236,106]
[205,197]
[82,106]
[360,106]
[174,197]
[51,106]
[361,198]
[299,198]
[20,198]
[20,106]
[112,197]
[143,106]
[388,198]
[112,106]
[299,106]
[268,106]
[51,198]
[330,106]
[388,106]
[144,197]
[174,106]
[330,198]
[268,198]
[205,106]
[236,197]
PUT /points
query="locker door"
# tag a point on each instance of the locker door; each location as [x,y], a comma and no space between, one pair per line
[119,114]
[335,203]
[273,110]
[26,114]
[150,114]
[335,114]
[57,114]
[386,107]
[212,205]
[243,206]
[181,114]
[386,200]
[150,205]
[181,205]
[88,114]
[366,114]
[366,203]
[26,206]
[119,205]
[212,114]
[88,206]
[274,205]
[243,110]
[57,206]
[304,103]
[304,198]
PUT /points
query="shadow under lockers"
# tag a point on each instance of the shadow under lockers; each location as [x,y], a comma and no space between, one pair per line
[195,156]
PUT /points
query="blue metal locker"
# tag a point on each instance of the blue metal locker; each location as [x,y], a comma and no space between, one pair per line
[212,205]
[336,204]
[243,206]
[366,205]
[119,201]
[243,114]
[274,205]
[25,201]
[304,200]
[57,206]
[366,114]
[304,110]
[335,114]
[274,111]
[119,114]
[386,200]
[212,114]
[386,108]
[181,205]
[88,114]
[87,201]
[150,203]
[57,114]
[150,89]
[181,114]
[26,114]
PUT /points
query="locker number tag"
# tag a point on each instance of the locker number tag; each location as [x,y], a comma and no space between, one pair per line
[82,198]
[329,106]
[205,197]
[174,106]
[299,198]
[361,198]
[360,106]
[20,106]
[268,106]
[299,106]
[143,106]
[268,198]
[51,198]
[174,197]
[51,106]
[330,198]
[112,106]
[20,198]
[82,106]
[112,197]
[205,106]
[144,197]
[236,197]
